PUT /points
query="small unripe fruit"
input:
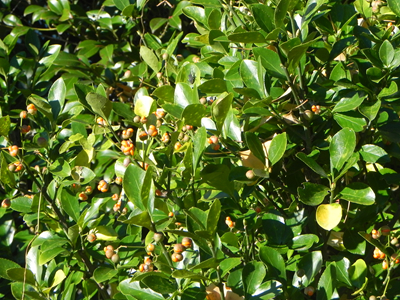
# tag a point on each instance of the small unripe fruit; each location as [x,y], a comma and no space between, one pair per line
[300,273]
[309,291]
[179,57]
[385,230]
[127,161]
[115,197]
[12,168]
[101,121]
[115,258]
[158,193]
[41,142]
[165,56]
[196,59]
[250,175]
[187,242]
[141,268]
[136,119]
[372,297]
[25,129]
[147,260]
[109,253]
[6,203]
[308,115]
[203,100]
[118,180]
[109,247]
[394,241]
[23,114]
[179,248]
[216,147]
[31,108]
[83,197]
[91,238]
[158,237]
[150,248]
[165,138]
[258,209]
[127,74]
[176,257]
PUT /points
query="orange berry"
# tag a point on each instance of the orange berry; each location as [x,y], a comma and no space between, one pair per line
[170,214]
[176,257]
[128,133]
[189,127]
[100,121]
[230,224]
[115,197]
[150,248]
[110,247]
[102,186]
[258,209]
[143,120]
[143,136]
[213,139]
[109,253]
[31,108]
[127,147]
[13,150]
[91,238]
[216,147]
[117,206]
[118,180]
[309,291]
[6,203]
[179,248]
[158,193]
[25,129]
[187,242]
[154,133]
[375,234]
[141,268]
[384,265]
[23,114]
[88,190]
[160,113]
[18,166]
[165,138]
[381,255]
[83,197]
[177,146]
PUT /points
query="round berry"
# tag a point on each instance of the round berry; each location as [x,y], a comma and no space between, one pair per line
[150,248]
[6,203]
[115,258]
[91,237]
[176,257]
[158,237]
[179,248]
[109,253]
[187,242]
[309,291]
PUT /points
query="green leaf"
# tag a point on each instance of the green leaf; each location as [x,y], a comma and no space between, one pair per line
[49,254]
[99,104]
[132,183]
[144,106]
[270,61]
[311,263]
[150,58]
[159,284]
[349,121]
[213,217]
[21,275]
[277,148]
[231,128]
[329,215]
[342,270]
[82,175]
[22,204]
[394,5]
[274,262]
[253,75]
[247,37]
[106,233]
[165,93]
[193,113]
[350,103]
[5,124]
[341,148]
[102,274]
[189,74]
[42,105]
[56,96]
[326,284]
[268,290]
[121,4]
[196,13]
[296,53]
[358,192]
[388,91]
[312,194]
[172,44]
[213,86]
[264,17]
[69,203]
[255,146]
[184,95]
[370,111]
[140,219]
[253,275]
[304,242]
[312,164]
[386,53]
[133,288]
[60,168]
[374,154]
[199,145]
[358,273]
[220,109]
[5,265]
[228,264]
[188,274]
[210,263]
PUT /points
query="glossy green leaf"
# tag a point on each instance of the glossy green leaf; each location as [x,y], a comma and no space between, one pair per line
[199,142]
[247,37]
[82,175]
[253,76]
[102,274]
[270,61]
[184,95]
[341,148]
[220,108]
[231,128]
[196,13]
[342,270]
[268,290]
[358,192]
[274,262]
[374,154]
[394,5]
[189,74]
[49,254]
[22,204]
[386,53]
[140,219]
[277,148]
[159,284]
[304,242]
[5,265]
[328,216]
[144,106]
[326,284]
[99,104]
[354,243]
[349,103]
[165,92]
[312,193]
[106,233]
[21,275]
[296,53]
[133,288]
[60,168]
[370,111]
[56,96]
[311,263]
[213,217]
[228,264]
[42,105]
[193,113]
[150,58]
[255,146]
[349,121]
[358,273]
[253,275]
[213,86]
[132,183]
[70,204]
[188,274]
[264,16]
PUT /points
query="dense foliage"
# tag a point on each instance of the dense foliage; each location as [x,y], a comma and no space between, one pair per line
[179,149]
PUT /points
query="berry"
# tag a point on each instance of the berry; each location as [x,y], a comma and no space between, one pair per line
[384,265]
[127,147]
[216,147]
[160,113]
[141,268]
[177,146]
[88,190]
[316,109]
[258,209]
[158,237]
[100,121]
[143,120]
[187,242]
[41,142]
[102,186]
[136,119]
[25,129]
[109,247]
[128,133]
[31,108]
[300,273]
[250,175]
[189,127]
[170,214]
[150,248]
[115,197]
[91,238]
[158,193]
[309,291]
[213,139]
[83,196]
[394,241]
[179,248]
[165,138]
[23,114]
[13,150]
[6,203]
[109,253]
[147,260]
[176,257]
[127,161]
[385,230]
[115,258]
[118,180]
